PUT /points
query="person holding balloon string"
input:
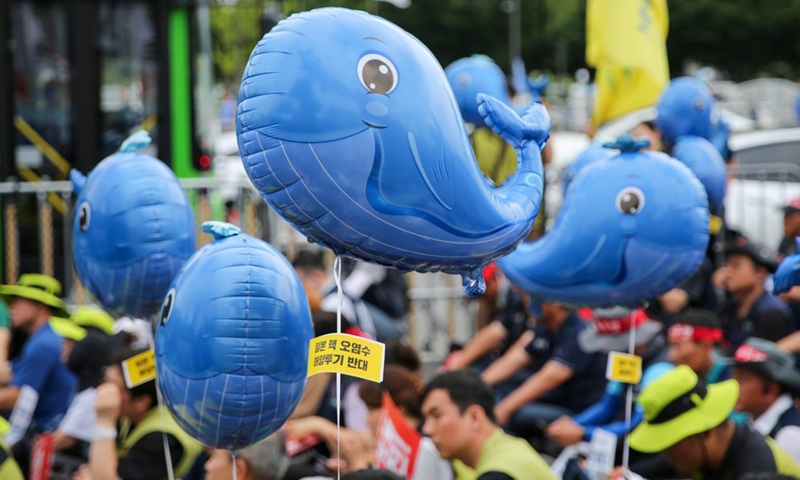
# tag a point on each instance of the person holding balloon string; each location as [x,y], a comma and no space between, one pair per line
[132,431]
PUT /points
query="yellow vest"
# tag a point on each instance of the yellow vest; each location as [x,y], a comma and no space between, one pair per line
[9,470]
[512,456]
[783,462]
[461,471]
[159,420]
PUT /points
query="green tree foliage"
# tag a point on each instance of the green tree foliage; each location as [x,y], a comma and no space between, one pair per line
[744,38]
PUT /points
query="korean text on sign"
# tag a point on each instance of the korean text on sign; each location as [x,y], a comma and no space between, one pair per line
[348,354]
[139,368]
[624,368]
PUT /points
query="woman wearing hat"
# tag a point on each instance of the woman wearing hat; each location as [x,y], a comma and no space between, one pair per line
[33,301]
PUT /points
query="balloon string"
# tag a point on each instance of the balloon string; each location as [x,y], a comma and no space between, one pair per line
[233,462]
[629,396]
[337,277]
[167,454]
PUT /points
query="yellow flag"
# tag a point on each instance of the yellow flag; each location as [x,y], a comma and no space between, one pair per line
[626,42]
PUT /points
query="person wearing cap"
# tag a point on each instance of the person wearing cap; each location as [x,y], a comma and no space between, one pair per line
[791,228]
[610,332]
[750,310]
[92,343]
[33,301]
[693,339]
[567,379]
[132,432]
[688,421]
[767,380]
[459,418]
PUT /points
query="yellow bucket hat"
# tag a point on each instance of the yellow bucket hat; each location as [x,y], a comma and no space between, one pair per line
[679,405]
[66,328]
[93,317]
[37,287]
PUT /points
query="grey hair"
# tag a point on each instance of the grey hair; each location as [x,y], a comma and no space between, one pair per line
[267,459]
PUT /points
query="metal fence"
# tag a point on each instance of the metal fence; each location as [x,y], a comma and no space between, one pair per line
[42,212]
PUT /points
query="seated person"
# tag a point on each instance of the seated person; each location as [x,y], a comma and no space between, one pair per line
[265,460]
[693,338]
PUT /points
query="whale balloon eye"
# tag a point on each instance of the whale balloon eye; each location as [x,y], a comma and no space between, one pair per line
[377,73]
[84,216]
[630,201]
[166,309]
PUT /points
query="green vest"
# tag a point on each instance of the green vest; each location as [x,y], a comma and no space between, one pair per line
[512,456]
[9,470]
[159,420]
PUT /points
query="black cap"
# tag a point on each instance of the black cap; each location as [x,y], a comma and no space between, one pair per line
[758,253]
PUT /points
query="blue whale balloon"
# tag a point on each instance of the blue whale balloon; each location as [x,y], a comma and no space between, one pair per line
[232,341]
[348,128]
[705,161]
[592,154]
[631,228]
[133,229]
[788,273]
[473,75]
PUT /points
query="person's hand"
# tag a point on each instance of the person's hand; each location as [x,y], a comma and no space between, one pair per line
[303,427]
[565,431]
[674,300]
[793,295]
[107,403]
[452,362]
[356,450]
[82,473]
[720,277]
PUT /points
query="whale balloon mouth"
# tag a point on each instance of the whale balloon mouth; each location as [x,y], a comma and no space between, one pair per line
[372,125]
[598,247]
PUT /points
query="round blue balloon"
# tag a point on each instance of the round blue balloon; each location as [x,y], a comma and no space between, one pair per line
[705,161]
[348,128]
[232,341]
[686,107]
[133,230]
[632,227]
[473,75]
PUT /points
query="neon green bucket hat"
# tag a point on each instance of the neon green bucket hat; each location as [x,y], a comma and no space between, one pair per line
[679,405]
[66,328]
[39,288]
[86,316]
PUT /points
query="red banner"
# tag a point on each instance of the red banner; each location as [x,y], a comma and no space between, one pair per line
[397,443]
[41,457]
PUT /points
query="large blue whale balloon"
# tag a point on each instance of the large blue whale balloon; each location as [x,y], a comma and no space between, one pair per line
[232,341]
[133,230]
[348,128]
[705,161]
[631,228]
[587,157]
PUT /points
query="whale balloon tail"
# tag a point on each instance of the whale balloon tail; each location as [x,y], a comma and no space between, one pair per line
[516,130]
[137,141]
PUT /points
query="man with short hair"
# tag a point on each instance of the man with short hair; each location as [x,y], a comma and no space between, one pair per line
[265,460]
[692,340]
[767,379]
[791,228]
[750,309]
[688,421]
[33,301]
[459,418]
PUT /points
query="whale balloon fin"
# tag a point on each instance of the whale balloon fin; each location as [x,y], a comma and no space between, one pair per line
[78,181]
[220,230]
[436,175]
[516,130]
[137,141]
[473,282]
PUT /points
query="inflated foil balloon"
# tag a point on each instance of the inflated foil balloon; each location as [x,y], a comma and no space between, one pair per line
[133,230]
[232,341]
[473,75]
[348,128]
[592,154]
[632,227]
[705,161]
[788,273]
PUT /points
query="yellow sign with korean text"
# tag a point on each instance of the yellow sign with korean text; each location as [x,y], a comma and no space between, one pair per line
[624,368]
[140,368]
[347,354]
